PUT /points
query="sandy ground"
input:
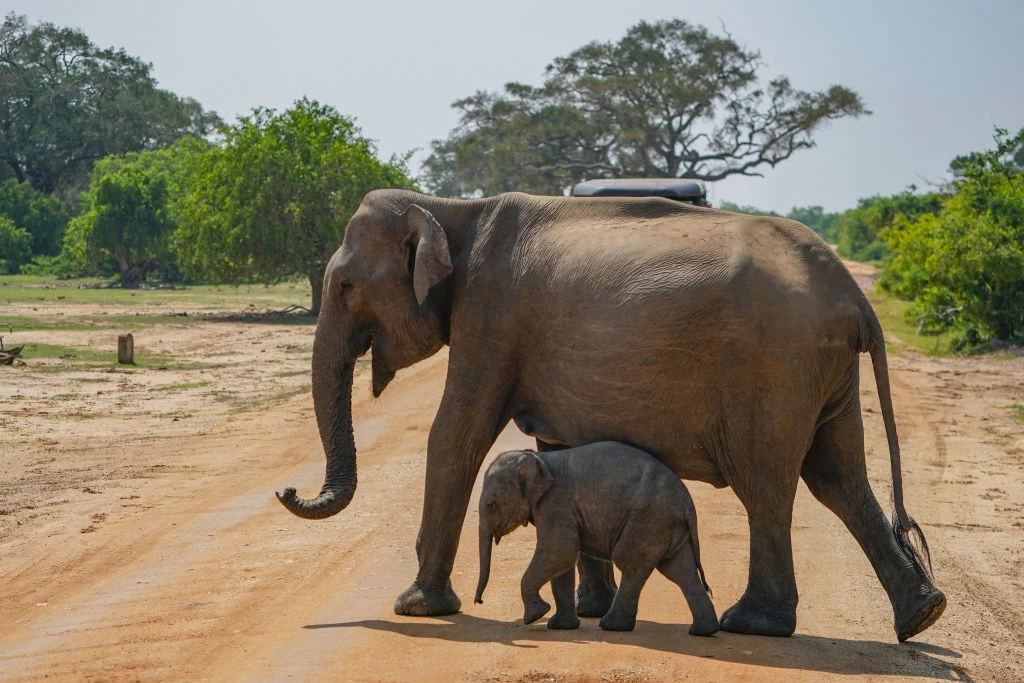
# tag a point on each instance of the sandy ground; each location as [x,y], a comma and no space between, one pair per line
[140,539]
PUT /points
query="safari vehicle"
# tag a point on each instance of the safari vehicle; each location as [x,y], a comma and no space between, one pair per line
[687,191]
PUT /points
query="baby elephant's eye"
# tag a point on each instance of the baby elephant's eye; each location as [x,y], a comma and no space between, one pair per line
[492,505]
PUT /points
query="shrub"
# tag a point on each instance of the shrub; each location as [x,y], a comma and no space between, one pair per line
[964,266]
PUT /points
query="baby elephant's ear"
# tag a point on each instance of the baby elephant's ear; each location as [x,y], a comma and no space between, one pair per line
[534,478]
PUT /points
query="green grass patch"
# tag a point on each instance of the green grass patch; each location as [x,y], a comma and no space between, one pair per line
[79,358]
[69,293]
[59,321]
[71,353]
[1017,410]
[901,335]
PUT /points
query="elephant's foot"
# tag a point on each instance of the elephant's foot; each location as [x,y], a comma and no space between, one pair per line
[617,622]
[594,599]
[564,622]
[751,616]
[705,628]
[534,610]
[419,601]
[922,612]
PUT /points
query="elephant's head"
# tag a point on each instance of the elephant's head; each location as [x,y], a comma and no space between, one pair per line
[377,293]
[513,486]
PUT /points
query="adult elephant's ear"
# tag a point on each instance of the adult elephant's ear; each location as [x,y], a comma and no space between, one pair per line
[431,261]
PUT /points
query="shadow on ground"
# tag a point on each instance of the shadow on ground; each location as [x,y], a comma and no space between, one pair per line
[800,652]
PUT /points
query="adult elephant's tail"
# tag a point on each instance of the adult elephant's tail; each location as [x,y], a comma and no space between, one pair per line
[903,525]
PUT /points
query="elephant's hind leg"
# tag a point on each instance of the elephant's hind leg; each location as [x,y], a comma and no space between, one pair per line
[681,569]
[597,588]
[768,606]
[835,472]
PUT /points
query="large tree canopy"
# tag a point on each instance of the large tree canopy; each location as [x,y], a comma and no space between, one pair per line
[42,215]
[66,103]
[274,201]
[670,99]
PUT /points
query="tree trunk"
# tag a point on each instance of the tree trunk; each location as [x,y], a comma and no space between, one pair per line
[16,168]
[316,282]
[131,274]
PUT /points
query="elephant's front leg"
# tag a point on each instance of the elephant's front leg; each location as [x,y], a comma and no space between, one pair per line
[768,606]
[465,428]
[562,587]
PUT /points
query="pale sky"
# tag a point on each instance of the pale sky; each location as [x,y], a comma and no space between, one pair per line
[938,74]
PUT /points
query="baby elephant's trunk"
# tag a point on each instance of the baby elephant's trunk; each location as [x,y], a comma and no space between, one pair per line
[485,563]
[696,557]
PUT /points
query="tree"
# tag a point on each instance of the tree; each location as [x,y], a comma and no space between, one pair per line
[745,208]
[274,201]
[43,216]
[859,230]
[66,103]
[670,99]
[15,245]
[131,210]
[964,265]
[816,218]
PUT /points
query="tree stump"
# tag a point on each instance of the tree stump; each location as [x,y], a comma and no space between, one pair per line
[126,348]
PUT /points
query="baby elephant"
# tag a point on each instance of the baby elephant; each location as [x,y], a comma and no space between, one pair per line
[606,500]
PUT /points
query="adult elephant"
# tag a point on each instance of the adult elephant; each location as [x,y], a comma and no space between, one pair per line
[724,344]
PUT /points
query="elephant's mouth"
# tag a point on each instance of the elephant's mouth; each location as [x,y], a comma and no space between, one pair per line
[382,372]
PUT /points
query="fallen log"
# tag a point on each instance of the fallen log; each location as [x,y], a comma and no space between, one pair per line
[7,356]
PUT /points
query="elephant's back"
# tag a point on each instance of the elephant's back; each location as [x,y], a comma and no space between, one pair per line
[618,471]
[653,259]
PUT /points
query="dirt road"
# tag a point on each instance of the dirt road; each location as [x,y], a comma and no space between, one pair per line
[162,555]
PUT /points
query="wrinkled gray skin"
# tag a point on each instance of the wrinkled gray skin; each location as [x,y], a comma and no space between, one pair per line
[607,500]
[723,344]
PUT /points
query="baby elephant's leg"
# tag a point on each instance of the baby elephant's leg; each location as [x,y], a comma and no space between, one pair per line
[621,616]
[562,588]
[681,569]
[551,560]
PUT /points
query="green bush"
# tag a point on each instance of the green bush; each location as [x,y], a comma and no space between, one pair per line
[859,230]
[44,217]
[15,245]
[964,266]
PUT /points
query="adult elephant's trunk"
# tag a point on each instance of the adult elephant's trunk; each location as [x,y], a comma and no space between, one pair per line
[485,563]
[332,400]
